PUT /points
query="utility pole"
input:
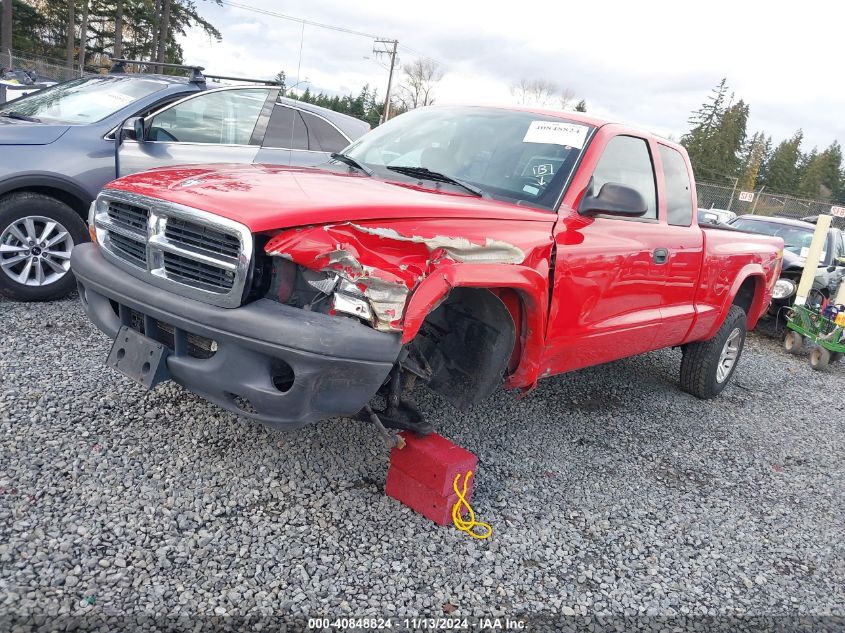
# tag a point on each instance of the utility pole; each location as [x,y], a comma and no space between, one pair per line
[392,52]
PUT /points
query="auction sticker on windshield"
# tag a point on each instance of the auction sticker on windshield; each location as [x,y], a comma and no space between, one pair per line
[556,133]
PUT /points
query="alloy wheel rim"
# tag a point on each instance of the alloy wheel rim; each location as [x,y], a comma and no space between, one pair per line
[35,251]
[729,356]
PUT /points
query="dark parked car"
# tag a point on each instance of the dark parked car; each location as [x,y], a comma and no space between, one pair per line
[797,236]
[57,150]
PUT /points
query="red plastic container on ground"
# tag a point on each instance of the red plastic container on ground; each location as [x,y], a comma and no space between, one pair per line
[422,474]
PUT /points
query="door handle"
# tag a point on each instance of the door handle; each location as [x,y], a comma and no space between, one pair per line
[660,255]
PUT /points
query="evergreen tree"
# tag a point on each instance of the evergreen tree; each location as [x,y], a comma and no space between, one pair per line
[782,168]
[581,106]
[832,175]
[281,79]
[41,28]
[752,162]
[729,140]
[701,142]
[819,175]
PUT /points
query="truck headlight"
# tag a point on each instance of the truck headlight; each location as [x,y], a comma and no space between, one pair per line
[784,288]
[322,291]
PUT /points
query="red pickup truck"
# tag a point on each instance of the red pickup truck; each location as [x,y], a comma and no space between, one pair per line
[461,247]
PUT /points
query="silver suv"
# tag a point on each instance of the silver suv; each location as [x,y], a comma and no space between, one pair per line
[58,149]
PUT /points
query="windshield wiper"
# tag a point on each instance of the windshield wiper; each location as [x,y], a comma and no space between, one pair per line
[425,172]
[21,117]
[348,160]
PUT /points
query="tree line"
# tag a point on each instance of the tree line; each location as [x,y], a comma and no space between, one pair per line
[365,105]
[74,30]
[721,150]
[415,89]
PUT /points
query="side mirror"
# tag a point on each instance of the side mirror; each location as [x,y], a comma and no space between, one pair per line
[135,129]
[615,199]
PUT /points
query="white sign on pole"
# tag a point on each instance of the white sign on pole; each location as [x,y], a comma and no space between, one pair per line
[839,212]
[746,196]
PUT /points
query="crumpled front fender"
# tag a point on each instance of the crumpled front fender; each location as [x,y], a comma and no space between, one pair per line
[405,269]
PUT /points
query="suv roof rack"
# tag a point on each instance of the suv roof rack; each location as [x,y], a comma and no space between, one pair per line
[119,66]
[269,82]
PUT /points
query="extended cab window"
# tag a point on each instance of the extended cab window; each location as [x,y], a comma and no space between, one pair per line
[627,161]
[678,191]
[225,117]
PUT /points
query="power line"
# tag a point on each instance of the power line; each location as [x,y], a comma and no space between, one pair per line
[421,55]
[323,25]
[292,18]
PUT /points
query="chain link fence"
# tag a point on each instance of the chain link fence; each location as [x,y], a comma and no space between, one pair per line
[761,202]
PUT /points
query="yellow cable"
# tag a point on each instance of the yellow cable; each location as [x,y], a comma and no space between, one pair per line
[470,525]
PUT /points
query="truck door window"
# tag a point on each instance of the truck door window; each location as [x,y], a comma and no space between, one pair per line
[627,161]
[678,191]
[226,117]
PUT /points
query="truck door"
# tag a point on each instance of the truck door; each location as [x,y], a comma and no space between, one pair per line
[609,271]
[684,241]
[218,126]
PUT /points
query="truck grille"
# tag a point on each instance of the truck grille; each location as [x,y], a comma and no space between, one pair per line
[187,251]
[202,237]
[132,250]
[128,215]
[191,271]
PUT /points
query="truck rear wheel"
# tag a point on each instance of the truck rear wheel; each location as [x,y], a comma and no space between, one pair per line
[37,233]
[707,366]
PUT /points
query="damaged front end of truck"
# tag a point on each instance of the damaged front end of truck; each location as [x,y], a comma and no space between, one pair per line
[368,272]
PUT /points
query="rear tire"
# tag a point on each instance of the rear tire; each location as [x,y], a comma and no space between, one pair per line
[708,366]
[793,343]
[37,233]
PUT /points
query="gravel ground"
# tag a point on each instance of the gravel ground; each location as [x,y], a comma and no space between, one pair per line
[610,493]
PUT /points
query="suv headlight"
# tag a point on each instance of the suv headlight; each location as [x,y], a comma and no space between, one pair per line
[784,288]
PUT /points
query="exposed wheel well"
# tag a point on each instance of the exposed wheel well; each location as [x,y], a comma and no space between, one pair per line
[745,295]
[74,202]
[467,343]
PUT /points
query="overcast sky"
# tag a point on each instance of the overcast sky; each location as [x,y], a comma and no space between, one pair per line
[647,63]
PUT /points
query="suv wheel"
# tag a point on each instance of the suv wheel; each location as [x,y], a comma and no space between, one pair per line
[707,366]
[37,233]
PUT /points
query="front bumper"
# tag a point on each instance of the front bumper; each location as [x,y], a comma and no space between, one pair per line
[337,364]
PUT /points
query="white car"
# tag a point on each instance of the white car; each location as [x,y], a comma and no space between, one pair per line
[715,216]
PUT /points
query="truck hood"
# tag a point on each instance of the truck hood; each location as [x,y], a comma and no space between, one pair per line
[268,197]
[15,132]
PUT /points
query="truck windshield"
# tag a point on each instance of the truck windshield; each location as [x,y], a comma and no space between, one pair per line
[83,100]
[517,156]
